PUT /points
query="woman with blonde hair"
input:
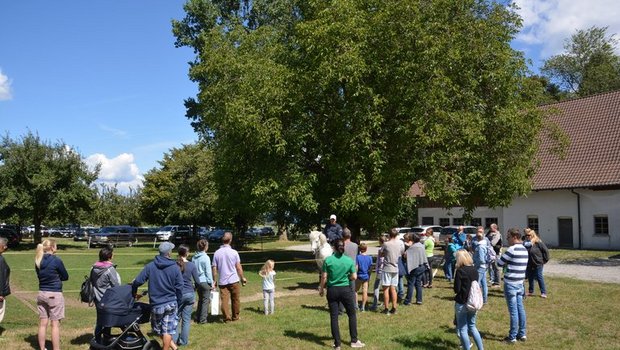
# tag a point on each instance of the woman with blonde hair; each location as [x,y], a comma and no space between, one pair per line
[538,256]
[465,318]
[50,301]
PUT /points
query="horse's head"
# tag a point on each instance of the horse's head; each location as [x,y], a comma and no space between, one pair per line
[315,240]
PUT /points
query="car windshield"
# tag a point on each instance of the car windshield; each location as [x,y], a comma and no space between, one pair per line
[166,228]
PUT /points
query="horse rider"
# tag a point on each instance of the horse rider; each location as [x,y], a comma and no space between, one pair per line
[333,230]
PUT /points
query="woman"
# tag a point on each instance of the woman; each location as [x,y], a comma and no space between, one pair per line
[50,301]
[189,272]
[465,319]
[103,276]
[205,278]
[538,256]
[338,271]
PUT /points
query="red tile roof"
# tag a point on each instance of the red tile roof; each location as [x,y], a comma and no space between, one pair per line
[593,156]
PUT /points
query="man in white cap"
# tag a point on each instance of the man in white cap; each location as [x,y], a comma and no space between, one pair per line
[332,230]
[165,292]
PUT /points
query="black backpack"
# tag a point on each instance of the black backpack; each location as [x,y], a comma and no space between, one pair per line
[87,291]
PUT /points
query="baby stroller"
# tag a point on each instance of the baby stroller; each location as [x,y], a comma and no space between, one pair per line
[118,308]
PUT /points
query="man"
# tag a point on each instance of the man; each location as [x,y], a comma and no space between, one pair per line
[350,248]
[459,238]
[515,260]
[227,264]
[480,245]
[5,273]
[392,250]
[495,237]
[165,293]
[332,230]
[416,266]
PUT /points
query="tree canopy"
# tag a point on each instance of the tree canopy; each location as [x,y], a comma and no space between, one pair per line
[314,107]
[589,64]
[181,191]
[39,180]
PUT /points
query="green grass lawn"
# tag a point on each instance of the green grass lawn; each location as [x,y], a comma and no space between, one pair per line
[577,314]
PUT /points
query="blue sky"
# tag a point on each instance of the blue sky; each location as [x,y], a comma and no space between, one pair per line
[105,78]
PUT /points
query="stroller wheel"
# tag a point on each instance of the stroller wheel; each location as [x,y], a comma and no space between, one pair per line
[152,345]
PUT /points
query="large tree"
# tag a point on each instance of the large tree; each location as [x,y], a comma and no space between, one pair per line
[40,180]
[339,106]
[181,190]
[589,64]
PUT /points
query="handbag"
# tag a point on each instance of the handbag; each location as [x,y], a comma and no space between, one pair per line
[2,309]
[215,303]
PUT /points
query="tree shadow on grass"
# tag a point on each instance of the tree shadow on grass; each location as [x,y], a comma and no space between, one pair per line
[313,338]
[428,343]
[83,339]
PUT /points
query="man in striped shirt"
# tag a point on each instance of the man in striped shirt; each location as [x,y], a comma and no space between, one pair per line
[515,260]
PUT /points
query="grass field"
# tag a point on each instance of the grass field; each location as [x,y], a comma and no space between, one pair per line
[577,314]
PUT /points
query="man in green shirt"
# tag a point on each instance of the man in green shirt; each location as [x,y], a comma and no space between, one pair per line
[338,272]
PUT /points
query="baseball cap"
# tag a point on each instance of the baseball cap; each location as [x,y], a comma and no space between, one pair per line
[332,217]
[165,248]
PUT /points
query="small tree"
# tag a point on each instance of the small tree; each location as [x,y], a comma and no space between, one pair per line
[40,180]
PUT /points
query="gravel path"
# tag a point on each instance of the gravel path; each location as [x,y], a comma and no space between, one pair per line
[598,270]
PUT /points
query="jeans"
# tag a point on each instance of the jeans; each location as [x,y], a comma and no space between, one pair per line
[514,299]
[415,279]
[447,270]
[494,273]
[482,281]
[400,288]
[204,299]
[466,322]
[268,301]
[428,273]
[230,293]
[376,290]
[536,274]
[185,315]
[336,296]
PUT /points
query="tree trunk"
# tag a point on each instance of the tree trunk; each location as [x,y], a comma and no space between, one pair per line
[282,231]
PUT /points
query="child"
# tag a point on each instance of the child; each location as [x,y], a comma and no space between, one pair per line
[268,275]
[450,251]
[379,272]
[363,264]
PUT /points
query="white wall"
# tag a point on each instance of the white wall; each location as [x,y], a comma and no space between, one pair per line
[549,206]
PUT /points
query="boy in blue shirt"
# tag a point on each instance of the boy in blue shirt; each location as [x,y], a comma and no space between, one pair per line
[363,264]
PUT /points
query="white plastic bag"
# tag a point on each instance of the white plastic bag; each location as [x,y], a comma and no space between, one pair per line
[215,303]
[2,308]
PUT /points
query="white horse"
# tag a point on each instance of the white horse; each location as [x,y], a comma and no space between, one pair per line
[320,248]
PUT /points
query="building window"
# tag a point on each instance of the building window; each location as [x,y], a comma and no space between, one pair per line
[457,221]
[476,222]
[428,220]
[532,222]
[489,221]
[444,221]
[601,225]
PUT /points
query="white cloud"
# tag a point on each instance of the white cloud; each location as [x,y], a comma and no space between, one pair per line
[5,87]
[121,171]
[548,23]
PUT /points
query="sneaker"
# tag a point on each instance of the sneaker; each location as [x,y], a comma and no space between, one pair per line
[543,295]
[358,344]
[523,338]
[418,302]
[529,294]
[335,347]
[385,312]
[393,311]
[510,340]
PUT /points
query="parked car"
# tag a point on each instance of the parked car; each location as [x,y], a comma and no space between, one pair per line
[448,231]
[267,231]
[166,232]
[145,234]
[113,236]
[253,232]
[181,234]
[11,236]
[14,228]
[217,234]
[422,230]
[83,233]
[401,232]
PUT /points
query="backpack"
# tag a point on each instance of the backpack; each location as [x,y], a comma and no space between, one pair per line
[490,255]
[474,299]
[87,291]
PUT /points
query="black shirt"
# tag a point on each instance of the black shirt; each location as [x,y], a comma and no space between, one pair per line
[462,282]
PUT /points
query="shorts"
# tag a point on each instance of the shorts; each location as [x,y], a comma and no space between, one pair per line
[164,319]
[51,305]
[389,279]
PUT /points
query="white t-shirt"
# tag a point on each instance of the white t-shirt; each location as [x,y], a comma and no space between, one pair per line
[268,281]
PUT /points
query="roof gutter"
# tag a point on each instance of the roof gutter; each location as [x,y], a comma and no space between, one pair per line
[578,214]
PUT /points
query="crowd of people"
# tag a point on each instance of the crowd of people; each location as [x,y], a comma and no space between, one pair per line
[174,283]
